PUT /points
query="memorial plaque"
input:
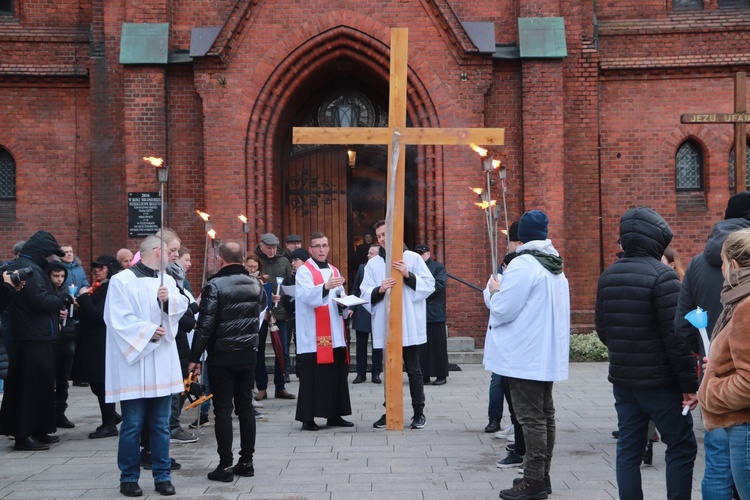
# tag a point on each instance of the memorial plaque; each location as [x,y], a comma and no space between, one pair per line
[144,214]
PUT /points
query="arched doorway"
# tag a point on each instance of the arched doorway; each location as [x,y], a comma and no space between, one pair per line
[340,190]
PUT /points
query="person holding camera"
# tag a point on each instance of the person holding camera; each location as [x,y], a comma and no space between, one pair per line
[28,410]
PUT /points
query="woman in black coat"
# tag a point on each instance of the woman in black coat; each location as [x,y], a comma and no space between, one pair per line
[88,365]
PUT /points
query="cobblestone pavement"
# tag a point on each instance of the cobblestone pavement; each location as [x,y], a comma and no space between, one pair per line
[451,458]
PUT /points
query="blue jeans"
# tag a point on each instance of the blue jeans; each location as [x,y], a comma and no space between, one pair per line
[135,412]
[495,408]
[206,405]
[717,480]
[739,456]
[664,406]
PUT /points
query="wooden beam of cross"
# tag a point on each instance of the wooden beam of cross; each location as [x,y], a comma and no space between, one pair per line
[395,136]
[739,118]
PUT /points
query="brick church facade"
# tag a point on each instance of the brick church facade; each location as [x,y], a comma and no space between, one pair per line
[589,93]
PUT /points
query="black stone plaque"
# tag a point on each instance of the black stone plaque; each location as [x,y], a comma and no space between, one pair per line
[144,214]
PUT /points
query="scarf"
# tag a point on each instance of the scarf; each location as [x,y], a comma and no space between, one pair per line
[551,263]
[734,291]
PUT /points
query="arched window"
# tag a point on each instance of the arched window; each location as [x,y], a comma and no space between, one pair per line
[7,186]
[731,169]
[6,7]
[689,167]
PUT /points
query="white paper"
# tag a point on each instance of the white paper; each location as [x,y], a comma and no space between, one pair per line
[289,290]
[349,301]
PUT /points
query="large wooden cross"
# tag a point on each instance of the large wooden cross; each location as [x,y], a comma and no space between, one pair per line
[739,118]
[395,136]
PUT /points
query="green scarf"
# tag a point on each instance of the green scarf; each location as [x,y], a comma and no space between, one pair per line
[551,263]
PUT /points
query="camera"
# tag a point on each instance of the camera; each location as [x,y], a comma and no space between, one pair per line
[18,275]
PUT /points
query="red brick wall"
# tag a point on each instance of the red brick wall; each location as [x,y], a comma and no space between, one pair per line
[566,120]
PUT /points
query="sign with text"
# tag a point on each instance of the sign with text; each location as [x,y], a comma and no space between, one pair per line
[716,118]
[144,214]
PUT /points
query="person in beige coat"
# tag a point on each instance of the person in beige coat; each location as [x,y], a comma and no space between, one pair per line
[724,394]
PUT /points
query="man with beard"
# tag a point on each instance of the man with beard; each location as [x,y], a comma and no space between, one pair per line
[28,410]
[321,344]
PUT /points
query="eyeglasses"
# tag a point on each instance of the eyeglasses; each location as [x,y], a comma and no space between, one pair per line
[318,247]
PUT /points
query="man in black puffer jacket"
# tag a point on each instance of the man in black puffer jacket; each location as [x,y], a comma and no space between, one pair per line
[228,323]
[651,369]
[28,410]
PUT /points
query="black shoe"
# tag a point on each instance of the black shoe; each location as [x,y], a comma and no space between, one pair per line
[512,460]
[512,448]
[30,443]
[165,488]
[339,422]
[526,489]
[131,490]
[648,454]
[439,381]
[64,423]
[244,469]
[376,379]
[380,424]
[221,473]
[418,421]
[146,462]
[104,431]
[426,380]
[616,434]
[493,426]
[547,483]
[47,438]
[359,379]
[80,384]
[118,418]
[309,426]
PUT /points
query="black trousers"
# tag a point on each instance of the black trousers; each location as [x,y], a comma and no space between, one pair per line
[107,409]
[416,382]
[232,387]
[64,352]
[377,356]
[433,355]
[517,427]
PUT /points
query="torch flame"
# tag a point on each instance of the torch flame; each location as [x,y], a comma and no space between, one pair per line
[481,151]
[478,191]
[203,215]
[484,205]
[242,218]
[157,162]
[212,234]
[496,164]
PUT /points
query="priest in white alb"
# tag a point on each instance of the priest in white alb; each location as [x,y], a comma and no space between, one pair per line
[142,365]
[322,353]
[418,285]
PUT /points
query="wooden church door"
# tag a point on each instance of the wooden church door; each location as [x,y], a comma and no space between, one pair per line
[315,199]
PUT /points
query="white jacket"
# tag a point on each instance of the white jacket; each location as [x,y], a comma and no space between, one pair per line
[528,335]
[414,312]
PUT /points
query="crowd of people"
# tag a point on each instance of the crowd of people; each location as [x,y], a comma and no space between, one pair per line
[137,331]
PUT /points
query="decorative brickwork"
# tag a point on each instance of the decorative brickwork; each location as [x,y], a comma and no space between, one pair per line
[587,136]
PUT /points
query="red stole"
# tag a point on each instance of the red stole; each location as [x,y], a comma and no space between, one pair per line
[323,334]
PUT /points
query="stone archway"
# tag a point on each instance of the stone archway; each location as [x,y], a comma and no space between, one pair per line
[280,96]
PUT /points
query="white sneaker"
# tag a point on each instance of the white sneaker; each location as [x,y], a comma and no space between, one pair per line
[505,432]
[257,404]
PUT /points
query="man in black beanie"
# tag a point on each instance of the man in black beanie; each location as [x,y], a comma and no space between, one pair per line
[701,287]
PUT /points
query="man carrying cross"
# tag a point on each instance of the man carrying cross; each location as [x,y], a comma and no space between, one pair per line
[420,284]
